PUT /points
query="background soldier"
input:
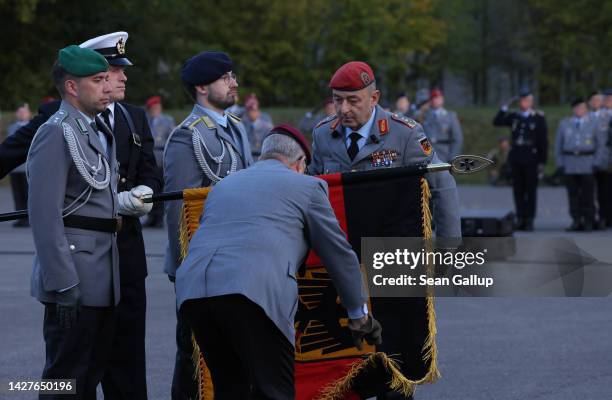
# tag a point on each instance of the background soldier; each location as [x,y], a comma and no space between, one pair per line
[442,128]
[579,150]
[221,147]
[600,115]
[126,376]
[19,182]
[256,123]
[361,132]
[312,118]
[161,125]
[73,207]
[527,155]
[402,105]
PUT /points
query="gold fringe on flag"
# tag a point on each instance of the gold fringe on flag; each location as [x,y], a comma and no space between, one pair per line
[193,207]
[398,382]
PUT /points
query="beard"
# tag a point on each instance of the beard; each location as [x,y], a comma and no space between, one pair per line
[222,101]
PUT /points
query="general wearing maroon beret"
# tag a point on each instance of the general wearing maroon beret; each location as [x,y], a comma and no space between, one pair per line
[288,130]
[354,75]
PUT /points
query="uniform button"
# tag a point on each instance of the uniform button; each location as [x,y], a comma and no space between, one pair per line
[72,247]
[123,180]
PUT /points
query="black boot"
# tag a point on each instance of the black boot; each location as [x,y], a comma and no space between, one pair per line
[528,226]
[519,224]
[575,226]
[588,225]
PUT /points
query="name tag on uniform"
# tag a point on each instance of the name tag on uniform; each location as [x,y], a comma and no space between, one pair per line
[383,158]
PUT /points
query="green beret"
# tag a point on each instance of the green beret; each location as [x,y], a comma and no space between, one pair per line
[81,62]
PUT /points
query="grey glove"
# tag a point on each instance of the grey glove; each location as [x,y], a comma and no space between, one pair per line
[68,307]
[370,331]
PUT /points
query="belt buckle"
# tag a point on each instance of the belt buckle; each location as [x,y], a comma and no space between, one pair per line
[576,153]
[118,224]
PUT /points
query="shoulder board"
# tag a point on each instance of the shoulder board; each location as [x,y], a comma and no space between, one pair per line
[409,122]
[234,117]
[58,117]
[540,113]
[191,121]
[325,120]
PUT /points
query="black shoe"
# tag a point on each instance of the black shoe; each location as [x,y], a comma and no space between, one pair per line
[528,226]
[588,226]
[519,224]
[575,227]
[21,223]
[601,225]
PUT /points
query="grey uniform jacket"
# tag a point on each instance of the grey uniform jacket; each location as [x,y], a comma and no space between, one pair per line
[444,133]
[182,169]
[257,228]
[394,133]
[69,256]
[580,150]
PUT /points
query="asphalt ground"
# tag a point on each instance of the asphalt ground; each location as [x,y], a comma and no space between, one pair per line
[489,348]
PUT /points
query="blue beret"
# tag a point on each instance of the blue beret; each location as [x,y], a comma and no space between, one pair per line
[205,67]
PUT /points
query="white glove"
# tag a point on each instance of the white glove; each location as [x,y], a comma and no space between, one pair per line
[131,204]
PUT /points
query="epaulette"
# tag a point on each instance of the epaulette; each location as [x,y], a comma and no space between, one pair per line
[325,120]
[540,113]
[409,122]
[58,117]
[234,117]
[193,120]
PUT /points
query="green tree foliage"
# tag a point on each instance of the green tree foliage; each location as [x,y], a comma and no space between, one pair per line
[285,51]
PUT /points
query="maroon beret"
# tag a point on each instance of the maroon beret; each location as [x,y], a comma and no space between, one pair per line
[288,130]
[435,93]
[354,75]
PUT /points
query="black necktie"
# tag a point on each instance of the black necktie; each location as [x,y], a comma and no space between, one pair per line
[106,116]
[353,148]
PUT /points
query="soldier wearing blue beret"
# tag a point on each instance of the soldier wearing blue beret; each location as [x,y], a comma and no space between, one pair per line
[206,147]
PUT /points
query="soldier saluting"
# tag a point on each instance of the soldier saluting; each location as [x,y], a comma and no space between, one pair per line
[206,147]
[73,210]
[527,155]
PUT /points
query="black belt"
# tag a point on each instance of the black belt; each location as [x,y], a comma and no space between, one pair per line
[579,153]
[110,225]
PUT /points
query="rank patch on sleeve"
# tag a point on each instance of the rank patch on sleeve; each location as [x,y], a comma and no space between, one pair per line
[426,146]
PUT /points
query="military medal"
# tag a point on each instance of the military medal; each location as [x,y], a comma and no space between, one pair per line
[383,158]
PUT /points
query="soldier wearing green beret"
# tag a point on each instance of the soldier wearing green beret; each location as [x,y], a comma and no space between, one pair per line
[72,171]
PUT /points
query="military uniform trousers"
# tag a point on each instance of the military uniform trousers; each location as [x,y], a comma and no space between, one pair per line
[603,182]
[248,356]
[184,386]
[524,188]
[580,190]
[125,377]
[80,352]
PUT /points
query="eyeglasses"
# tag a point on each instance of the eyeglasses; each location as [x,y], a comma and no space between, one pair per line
[229,77]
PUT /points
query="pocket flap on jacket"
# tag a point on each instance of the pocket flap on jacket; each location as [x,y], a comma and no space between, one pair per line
[84,243]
